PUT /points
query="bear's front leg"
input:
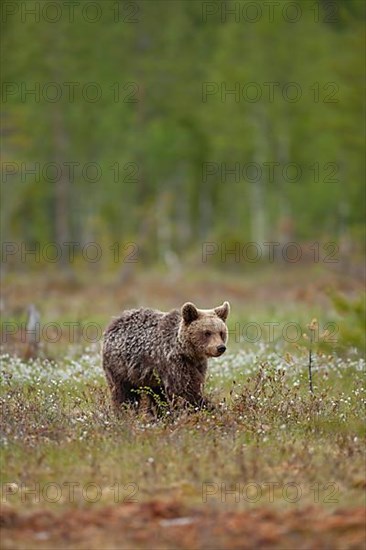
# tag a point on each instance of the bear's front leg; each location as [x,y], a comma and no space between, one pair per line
[193,390]
[191,399]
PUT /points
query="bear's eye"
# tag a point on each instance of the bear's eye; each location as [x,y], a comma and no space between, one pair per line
[222,336]
[208,333]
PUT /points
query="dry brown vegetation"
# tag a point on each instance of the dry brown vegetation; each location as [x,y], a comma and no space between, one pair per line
[272,467]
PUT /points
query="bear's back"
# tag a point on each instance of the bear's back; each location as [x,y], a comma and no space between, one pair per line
[142,330]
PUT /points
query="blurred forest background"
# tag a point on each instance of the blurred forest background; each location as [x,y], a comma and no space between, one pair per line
[124,129]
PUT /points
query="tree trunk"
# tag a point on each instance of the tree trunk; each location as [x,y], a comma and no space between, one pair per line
[62,185]
[258,187]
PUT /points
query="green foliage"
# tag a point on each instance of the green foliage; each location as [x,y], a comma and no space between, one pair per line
[168,131]
[352,325]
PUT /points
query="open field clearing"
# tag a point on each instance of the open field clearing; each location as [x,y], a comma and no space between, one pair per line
[271,457]
[273,465]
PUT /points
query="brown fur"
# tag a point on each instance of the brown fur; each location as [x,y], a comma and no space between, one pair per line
[165,352]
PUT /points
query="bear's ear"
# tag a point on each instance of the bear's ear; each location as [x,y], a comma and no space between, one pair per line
[189,312]
[223,311]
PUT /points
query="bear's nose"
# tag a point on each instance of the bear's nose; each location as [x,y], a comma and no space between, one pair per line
[221,348]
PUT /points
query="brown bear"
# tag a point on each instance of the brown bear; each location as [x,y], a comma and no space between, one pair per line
[163,353]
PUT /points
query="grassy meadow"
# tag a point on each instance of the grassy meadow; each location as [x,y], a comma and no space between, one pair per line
[270,443]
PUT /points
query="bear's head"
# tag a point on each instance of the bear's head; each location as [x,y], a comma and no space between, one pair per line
[203,332]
